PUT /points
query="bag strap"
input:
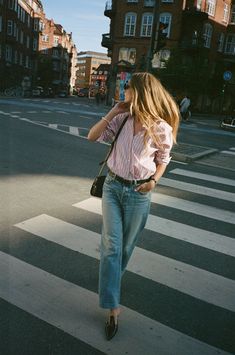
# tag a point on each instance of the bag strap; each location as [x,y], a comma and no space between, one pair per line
[102,163]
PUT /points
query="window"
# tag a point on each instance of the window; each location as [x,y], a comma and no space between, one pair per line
[21,37]
[56,40]
[10,27]
[15,29]
[45,38]
[211,7]
[16,57]
[226,13]
[55,53]
[220,42]
[27,41]
[11,4]
[132,0]
[8,54]
[127,54]
[0,23]
[232,18]
[41,26]
[146,26]
[21,58]
[35,44]
[207,34]
[149,3]
[28,20]
[44,50]
[199,4]
[27,61]
[167,0]
[35,25]
[130,24]
[165,17]
[230,44]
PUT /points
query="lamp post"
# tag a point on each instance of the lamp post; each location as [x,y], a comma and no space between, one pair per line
[154,36]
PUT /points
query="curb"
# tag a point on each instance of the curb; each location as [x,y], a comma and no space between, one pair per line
[188,152]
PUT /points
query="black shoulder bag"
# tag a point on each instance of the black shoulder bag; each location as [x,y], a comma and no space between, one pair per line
[97,186]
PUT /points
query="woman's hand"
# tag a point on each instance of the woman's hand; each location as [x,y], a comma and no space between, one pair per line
[146,187]
[120,107]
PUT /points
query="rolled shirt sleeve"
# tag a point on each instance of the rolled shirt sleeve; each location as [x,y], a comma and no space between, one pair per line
[165,137]
[111,129]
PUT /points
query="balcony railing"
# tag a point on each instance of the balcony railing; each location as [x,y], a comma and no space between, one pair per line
[107,41]
[109,10]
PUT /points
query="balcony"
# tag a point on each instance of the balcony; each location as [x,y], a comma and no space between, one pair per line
[194,15]
[107,41]
[109,11]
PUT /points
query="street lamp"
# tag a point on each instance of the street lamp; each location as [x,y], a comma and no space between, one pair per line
[153,42]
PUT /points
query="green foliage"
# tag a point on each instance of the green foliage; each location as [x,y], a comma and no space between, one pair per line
[45,71]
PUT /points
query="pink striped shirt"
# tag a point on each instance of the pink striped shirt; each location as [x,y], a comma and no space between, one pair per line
[131,158]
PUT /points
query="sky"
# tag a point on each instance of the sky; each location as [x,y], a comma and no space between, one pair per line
[84,18]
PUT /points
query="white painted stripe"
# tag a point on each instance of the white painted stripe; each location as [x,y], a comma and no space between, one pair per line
[74,130]
[232,148]
[180,231]
[179,162]
[46,111]
[15,112]
[31,111]
[227,152]
[194,207]
[197,189]
[75,311]
[172,273]
[211,178]
[53,125]
[63,112]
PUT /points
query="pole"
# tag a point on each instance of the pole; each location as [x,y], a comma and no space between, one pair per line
[153,42]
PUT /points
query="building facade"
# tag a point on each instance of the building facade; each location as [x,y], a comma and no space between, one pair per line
[87,62]
[57,57]
[34,51]
[19,34]
[194,26]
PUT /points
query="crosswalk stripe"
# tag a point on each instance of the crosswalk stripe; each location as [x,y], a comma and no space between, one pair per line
[197,236]
[194,207]
[74,130]
[185,278]
[201,176]
[228,152]
[197,189]
[74,310]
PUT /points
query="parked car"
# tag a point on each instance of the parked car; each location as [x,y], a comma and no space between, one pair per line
[63,94]
[37,91]
[228,123]
[83,92]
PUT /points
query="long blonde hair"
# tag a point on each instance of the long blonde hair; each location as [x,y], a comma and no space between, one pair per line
[151,103]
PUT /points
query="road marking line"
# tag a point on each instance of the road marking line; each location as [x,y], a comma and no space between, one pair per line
[201,176]
[194,207]
[227,152]
[176,230]
[31,111]
[53,125]
[74,130]
[180,276]
[232,148]
[75,311]
[197,189]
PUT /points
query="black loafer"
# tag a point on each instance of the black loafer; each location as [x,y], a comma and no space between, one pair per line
[111,327]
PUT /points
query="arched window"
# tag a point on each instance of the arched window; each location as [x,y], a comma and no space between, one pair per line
[220,42]
[146,25]
[130,24]
[166,17]
[207,34]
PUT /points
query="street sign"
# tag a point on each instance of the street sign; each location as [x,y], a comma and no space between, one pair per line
[227,75]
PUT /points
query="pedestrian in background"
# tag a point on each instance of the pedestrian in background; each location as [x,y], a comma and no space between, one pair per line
[137,162]
[184,108]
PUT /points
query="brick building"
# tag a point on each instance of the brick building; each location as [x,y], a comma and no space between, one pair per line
[87,62]
[19,33]
[57,56]
[207,26]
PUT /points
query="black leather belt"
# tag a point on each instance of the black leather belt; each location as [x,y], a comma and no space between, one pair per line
[128,182]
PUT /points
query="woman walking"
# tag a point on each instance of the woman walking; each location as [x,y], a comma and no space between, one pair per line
[137,162]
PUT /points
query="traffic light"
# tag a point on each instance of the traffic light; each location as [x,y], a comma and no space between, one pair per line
[161,36]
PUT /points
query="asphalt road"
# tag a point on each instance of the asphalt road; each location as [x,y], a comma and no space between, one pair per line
[179,290]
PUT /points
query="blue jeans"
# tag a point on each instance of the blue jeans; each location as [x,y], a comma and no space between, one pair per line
[125,212]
